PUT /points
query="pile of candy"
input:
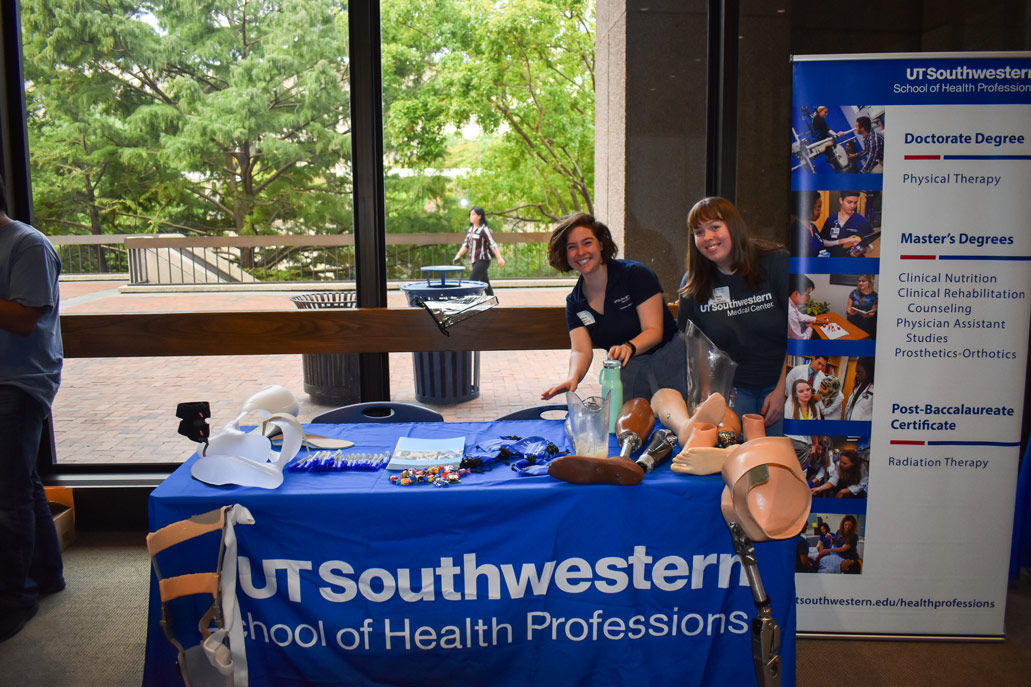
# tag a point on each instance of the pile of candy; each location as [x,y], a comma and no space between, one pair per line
[338,461]
[438,476]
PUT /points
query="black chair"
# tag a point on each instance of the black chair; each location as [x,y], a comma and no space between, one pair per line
[534,413]
[379,411]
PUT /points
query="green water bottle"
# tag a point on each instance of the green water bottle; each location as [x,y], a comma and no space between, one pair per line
[612,386]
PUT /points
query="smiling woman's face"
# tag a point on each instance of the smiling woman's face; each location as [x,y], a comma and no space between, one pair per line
[583,250]
[712,238]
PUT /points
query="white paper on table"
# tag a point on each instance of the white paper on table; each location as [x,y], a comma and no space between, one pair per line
[416,453]
[833,330]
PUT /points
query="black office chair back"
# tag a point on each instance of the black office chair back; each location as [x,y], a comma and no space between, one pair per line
[536,412]
[379,411]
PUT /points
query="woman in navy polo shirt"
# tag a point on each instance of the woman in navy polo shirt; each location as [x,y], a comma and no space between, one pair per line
[617,306]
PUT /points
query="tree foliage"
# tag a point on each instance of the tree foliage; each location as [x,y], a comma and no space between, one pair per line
[522,71]
[213,116]
[208,115]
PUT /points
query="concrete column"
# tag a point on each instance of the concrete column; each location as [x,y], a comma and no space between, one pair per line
[650,69]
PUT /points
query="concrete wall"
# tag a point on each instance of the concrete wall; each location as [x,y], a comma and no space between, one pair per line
[650,127]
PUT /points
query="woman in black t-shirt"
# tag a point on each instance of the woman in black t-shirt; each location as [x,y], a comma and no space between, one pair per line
[736,290]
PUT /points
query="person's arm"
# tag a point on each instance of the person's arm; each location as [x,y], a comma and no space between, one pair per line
[19,319]
[864,480]
[831,482]
[497,256]
[820,489]
[773,410]
[461,251]
[847,242]
[839,550]
[650,314]
[580,356]
[872,152]
[848,306]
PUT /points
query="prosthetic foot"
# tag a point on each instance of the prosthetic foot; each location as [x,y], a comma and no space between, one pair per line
[590,470]
[702,460]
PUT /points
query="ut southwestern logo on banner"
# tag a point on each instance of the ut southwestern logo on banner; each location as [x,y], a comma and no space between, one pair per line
[965,72]
[457,582]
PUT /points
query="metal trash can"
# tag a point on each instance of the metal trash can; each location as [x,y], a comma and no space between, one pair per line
[330,378]
[445,377]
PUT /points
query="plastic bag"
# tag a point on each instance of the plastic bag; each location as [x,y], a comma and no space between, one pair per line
[709,369]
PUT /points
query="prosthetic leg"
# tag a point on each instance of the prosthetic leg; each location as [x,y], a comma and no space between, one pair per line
[766,497]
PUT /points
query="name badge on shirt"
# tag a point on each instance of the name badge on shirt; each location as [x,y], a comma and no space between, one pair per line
[835,230]
[721,294]
[586,317]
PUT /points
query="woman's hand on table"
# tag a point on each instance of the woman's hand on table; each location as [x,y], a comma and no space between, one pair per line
[568,385]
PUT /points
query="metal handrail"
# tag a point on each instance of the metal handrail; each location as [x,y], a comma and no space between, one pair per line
[155,259]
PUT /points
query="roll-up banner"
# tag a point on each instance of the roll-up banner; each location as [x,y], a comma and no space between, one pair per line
[911,268]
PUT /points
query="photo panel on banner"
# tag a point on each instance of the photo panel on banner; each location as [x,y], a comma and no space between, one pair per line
[909,276]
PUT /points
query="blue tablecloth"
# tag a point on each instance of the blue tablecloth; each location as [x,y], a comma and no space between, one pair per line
[502,579]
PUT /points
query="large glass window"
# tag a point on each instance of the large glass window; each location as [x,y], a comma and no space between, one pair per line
[490,105]
[175,144]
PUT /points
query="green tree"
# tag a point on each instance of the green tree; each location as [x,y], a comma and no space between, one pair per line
[209,115]
[521,71]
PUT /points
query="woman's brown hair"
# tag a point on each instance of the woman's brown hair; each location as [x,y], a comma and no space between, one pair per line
[745,250]
[560,238]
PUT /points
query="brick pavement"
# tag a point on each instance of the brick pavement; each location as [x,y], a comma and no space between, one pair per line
[123,409]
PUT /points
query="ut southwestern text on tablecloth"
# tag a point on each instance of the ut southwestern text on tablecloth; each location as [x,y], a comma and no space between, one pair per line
[346,578]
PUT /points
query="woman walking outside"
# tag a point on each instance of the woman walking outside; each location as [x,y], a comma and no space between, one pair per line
[480,245]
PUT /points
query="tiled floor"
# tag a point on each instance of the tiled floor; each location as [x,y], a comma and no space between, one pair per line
[123,409]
